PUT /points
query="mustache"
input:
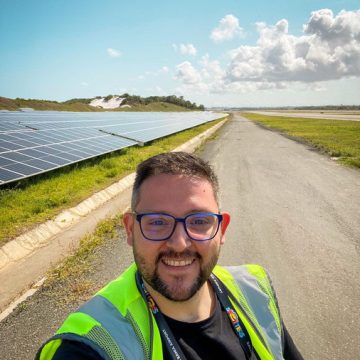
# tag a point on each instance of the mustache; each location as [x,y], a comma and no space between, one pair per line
[178,255]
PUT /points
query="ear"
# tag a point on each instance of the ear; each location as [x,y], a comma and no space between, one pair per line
[128,222]
[224,224]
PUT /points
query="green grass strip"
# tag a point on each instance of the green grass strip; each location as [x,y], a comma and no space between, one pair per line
[337,138]
[38,199]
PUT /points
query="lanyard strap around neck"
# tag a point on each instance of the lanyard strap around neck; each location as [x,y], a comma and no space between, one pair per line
[238,326]
[166,334]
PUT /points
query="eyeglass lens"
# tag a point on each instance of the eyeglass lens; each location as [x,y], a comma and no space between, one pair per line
[161,226]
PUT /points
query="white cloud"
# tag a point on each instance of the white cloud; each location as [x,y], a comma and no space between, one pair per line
[164,69]
[185,49]
[211,69]
[113,52]
[187,74]
[328,50]
[228,29]
[84,83]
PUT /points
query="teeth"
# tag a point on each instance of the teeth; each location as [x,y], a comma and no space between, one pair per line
[177,262]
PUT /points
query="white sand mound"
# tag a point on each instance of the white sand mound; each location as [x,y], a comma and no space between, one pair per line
[112,103]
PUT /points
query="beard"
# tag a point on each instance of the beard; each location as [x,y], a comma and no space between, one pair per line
[176,291]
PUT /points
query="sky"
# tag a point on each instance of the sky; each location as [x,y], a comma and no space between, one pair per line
[216,53]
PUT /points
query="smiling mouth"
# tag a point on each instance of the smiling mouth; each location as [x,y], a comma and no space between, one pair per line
[172,262]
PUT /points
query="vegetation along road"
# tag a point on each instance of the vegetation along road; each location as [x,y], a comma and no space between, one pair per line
[336,115]
[293,210]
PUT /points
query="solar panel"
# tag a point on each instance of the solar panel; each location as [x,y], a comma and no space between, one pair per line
[38,141]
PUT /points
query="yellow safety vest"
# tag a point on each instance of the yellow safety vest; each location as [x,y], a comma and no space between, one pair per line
[118,325]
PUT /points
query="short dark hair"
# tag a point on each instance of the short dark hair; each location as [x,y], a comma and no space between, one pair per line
[173,163]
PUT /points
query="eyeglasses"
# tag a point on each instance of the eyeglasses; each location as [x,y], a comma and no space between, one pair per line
[198,226]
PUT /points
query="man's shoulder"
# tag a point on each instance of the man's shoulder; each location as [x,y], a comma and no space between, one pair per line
[123,290]
[72,350]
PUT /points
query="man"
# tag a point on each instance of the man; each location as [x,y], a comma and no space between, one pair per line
[174,302]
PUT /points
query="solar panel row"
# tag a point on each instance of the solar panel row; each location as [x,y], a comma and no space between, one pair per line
[35,142]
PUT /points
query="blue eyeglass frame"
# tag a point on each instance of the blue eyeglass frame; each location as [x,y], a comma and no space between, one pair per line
[138,217]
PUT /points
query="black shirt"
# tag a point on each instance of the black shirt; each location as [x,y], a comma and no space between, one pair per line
[213,338]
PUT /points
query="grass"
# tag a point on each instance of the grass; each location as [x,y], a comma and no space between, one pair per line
[15,104]
[38,199]
[336,138]
[70,273]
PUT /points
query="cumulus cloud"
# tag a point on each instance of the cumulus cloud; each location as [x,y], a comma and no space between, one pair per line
[185,49]
[113,52]
[187,74]
[211,69]
[228,29]
[329,49]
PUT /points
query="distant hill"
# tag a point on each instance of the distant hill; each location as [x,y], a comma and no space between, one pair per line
[123,102]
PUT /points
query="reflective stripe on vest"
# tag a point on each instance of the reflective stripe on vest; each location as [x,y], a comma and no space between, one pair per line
[257,300]
[119,328]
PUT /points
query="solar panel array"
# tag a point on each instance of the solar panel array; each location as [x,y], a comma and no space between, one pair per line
[35,142]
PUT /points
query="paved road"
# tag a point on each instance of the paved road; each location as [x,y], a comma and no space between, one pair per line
[297,213]
[311,115]
[293,210]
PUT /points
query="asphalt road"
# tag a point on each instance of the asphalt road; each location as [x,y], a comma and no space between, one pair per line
[293,210]
[297,213]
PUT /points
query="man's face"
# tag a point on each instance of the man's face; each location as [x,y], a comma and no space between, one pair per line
[179,266]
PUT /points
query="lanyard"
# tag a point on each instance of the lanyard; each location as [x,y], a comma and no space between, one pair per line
[166,334]
[222,293]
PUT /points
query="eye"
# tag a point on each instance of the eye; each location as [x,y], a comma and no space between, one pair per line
[157,222]
[200,221]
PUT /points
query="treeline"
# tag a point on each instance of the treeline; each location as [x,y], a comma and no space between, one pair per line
[78,101]
[139,100]
[172,99]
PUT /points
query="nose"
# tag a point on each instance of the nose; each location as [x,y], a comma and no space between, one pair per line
[179,240]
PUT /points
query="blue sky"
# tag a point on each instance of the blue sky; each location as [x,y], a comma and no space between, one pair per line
[230,53]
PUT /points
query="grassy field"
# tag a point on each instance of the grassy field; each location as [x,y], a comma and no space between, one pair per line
[38,199]
[319,111]
[337,138]
[10,104]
